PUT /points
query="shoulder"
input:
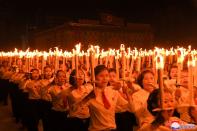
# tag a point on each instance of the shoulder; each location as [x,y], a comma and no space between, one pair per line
[52,87]
[149,127]
[139,92]
[88,86]
[176,119]
[30,82]
[110,89]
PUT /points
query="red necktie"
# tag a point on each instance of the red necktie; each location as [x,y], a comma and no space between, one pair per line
[105,101]
[195,101]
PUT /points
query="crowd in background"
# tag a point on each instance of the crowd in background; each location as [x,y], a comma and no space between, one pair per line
[67,100]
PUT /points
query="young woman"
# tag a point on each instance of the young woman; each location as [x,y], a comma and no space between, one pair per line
[33,88]
[138,99]
[59,112]
[78,112]
[172,81]
[102,107]
[124,120]
[45,101]
[112,76]
[173,73]
[171,84]
[164,120]
[19,97]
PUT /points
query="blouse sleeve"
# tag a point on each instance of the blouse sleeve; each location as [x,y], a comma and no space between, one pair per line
[122,104]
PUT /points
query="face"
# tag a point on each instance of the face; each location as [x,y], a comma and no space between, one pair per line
[173,73]
[112,77]
[102,79]
[148,81]
[48,73]
[61,78]
[184,79]
[35,75]
[81,77]
[168,103]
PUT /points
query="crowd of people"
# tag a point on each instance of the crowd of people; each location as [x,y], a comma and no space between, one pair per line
[67,100]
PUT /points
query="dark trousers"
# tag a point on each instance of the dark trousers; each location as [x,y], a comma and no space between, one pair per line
[45,109]
[19,103]
[77,124]
[58,121]
[15,100]
[33,115]
[24,108]
[125,121]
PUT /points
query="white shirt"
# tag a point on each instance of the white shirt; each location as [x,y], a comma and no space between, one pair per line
[76,109]
[33,89]
[59,97]
[139,107]
[100,117]
[184,100]
[170,84]
[23,84]
[44,89]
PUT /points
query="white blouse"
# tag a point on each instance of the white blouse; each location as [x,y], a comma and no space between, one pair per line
[76,108]
[59,97]
[44,89]
[139,107]
[100,117]
[33,89]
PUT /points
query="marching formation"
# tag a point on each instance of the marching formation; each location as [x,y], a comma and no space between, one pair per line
[102,90]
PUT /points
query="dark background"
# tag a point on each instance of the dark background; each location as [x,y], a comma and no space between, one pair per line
[171,20]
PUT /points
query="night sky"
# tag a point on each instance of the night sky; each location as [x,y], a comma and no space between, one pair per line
[170,19]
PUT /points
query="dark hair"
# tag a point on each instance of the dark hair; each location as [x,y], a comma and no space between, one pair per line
[72,78]
[99,69]
[34,69]
[59,72]
[48,66]
[141,77]
[112,70]
[153,103]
